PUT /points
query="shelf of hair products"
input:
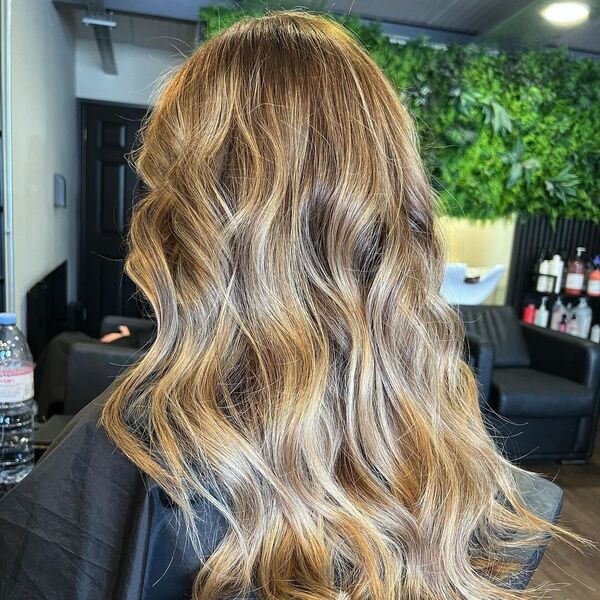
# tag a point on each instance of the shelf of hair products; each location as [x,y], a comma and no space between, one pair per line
[568,294]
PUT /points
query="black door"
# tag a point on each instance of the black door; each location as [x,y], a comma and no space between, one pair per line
[110,187]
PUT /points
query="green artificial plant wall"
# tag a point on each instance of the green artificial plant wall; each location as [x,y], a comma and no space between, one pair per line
[500,133]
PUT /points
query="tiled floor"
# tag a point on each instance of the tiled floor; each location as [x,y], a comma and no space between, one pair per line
[572,575]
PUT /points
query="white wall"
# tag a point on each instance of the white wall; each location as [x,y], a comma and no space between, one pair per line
[481,245]
[44,143]
[140,71]
[55,60]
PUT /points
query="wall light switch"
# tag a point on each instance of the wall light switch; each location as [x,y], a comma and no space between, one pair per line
[60,191]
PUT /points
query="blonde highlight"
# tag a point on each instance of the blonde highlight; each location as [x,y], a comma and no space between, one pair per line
[307,377]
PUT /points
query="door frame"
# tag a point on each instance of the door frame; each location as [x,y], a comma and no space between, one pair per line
[82,106]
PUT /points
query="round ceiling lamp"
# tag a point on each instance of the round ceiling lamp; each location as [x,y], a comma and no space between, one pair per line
[566,13]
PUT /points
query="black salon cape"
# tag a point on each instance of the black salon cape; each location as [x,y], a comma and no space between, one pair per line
[87,525]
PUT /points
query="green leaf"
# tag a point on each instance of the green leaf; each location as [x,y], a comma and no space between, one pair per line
[531,164]
[516,172]
[501,120]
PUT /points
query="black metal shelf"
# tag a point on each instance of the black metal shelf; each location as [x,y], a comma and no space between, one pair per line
[564,294]
[534,297]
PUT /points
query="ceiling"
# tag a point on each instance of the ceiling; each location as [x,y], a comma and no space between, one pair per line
[506,23]
[465,16]
[142,31]
[500,23]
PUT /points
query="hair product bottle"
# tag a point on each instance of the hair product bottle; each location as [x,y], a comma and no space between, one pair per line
[563,324]
[542,314]
[584,318]
[595,334]
[575,274]
[557,267]
[593,287]
[543,255]
[573,326]
[544,283]
[569,310]
[529,314]
[558,311]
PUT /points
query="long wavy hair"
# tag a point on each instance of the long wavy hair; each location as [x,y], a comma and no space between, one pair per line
[307,377]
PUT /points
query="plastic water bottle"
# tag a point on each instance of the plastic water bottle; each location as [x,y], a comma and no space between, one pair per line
[17,406]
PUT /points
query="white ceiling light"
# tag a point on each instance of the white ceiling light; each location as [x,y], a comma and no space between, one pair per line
[566,13]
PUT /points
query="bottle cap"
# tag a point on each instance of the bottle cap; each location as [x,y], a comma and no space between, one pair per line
[8,318]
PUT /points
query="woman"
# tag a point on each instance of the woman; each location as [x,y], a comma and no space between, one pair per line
[304,418]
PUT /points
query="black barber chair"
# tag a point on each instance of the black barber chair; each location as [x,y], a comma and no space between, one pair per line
[91,367]
[541,398]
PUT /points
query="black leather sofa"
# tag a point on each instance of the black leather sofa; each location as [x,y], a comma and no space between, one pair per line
[91,368]
[541,391]
[479,354]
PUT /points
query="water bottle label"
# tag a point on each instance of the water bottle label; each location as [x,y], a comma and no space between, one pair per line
[16,385]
